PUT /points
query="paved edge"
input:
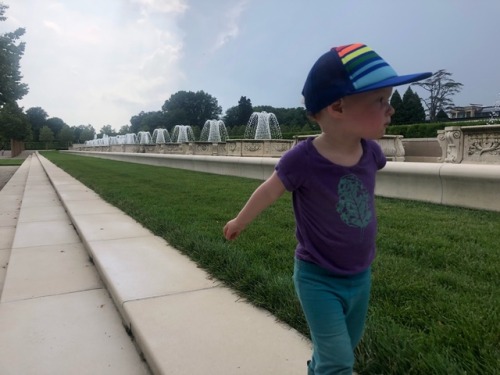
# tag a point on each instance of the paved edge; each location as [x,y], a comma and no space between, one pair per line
[232,335]
[53,321]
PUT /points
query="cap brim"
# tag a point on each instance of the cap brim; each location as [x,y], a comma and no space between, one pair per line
[395,81]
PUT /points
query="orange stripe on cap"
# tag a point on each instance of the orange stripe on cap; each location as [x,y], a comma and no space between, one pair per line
[344,50]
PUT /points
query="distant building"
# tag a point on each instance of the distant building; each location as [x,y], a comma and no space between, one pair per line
[473,111]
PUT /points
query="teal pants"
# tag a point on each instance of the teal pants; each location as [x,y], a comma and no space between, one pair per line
[335,308]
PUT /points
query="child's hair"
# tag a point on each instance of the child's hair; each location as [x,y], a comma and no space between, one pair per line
[348,70]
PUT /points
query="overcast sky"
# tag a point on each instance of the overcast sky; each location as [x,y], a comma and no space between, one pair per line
[101,62]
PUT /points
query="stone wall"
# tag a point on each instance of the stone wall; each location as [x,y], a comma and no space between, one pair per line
[391,145]
[454,144]
[465,185]
[422,150]
[470,144]
[258,148]
[236,147]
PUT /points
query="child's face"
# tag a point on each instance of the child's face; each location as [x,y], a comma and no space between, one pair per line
[369,113]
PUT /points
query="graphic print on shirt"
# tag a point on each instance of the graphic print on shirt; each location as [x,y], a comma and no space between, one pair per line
[354,202]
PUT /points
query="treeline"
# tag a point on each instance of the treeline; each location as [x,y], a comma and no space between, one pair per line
[409,109]
[182,108]
[194,109]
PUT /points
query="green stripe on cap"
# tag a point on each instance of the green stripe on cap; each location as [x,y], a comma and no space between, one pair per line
[364,66]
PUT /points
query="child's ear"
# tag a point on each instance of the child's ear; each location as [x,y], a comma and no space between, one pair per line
[335,109]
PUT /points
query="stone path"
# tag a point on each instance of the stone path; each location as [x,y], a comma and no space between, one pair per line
[6,172]
[56,316]
[80,274]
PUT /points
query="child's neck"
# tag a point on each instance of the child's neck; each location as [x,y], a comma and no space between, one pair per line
[342,151]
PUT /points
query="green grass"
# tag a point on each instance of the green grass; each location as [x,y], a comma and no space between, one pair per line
[11,162]
[436,290]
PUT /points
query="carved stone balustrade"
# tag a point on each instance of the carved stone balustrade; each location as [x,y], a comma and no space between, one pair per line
[391,145]
[259,148]
[458,144]
[470,144]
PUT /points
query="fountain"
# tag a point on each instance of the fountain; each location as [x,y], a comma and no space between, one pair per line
[494,115]
[130,139]
[263,139]
[182,134]
[92,142]
[144,137]
[104,141]
[214,131]
[263,125]
[161,136]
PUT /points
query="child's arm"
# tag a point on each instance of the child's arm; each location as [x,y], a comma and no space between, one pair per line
[268,192]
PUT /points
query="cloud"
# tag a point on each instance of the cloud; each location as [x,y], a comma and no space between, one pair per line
[102,62]
[93,62]
[163,6]
[232,20]
[52,26]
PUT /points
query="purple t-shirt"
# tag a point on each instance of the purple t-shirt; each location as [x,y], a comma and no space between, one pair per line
[334,206]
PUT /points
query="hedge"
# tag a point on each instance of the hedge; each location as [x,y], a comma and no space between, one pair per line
[426,130]
[55,145]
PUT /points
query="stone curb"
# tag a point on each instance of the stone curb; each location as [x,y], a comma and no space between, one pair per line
[184,322]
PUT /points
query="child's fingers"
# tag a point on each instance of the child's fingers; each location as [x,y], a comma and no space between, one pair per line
[226,231]
[230,233]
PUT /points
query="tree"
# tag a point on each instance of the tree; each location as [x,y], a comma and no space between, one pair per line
[408,110]
[147,121]
[46,135]
[418,112]
[412,110]
[11,52]
[237,131]
[37,118]
[191,108]
[82,133]
[397,103]
[65,135]
[108,130]
[245,110]
[441,88]
[87,134]
[442,116]
[55,124]
[295,118]
[240,114]
[231,118]
[125,129]
[13,123]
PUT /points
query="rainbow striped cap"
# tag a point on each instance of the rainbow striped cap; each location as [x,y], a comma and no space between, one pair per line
[349,70]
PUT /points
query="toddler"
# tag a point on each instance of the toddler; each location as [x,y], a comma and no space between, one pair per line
[332,180]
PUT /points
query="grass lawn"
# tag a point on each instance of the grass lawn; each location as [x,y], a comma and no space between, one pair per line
[11,162]
[436,291]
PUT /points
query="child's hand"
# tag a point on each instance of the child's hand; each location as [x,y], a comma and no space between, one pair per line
[232,230]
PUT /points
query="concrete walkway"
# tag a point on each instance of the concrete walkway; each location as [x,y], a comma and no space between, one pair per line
[81,275]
